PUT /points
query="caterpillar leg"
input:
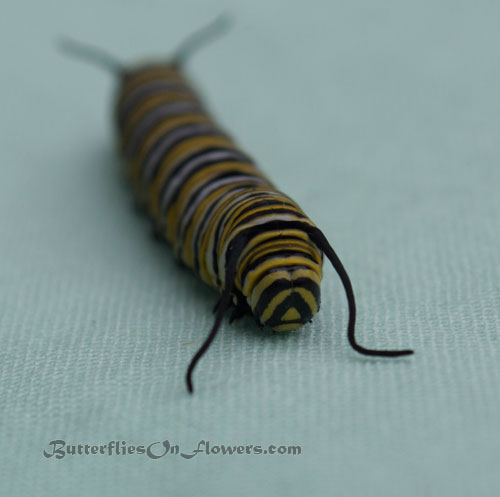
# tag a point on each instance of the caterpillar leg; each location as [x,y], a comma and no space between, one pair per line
[240,309]
[239,305]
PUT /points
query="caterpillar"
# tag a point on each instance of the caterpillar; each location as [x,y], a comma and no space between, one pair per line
[207,198]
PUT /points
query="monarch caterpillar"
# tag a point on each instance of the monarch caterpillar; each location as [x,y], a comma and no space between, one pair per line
[222,216]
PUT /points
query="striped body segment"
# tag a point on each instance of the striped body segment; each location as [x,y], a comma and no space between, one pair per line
[202,192]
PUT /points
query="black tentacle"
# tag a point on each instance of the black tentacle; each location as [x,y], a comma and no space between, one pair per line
[320,240]
[233,254]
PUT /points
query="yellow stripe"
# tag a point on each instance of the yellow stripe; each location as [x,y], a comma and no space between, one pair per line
[257,240]
[253,276]
[275,196]
[314,275]
[267,209]
[248,202]
[270,247]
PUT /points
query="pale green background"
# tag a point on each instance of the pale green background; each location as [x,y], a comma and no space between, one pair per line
[382,119]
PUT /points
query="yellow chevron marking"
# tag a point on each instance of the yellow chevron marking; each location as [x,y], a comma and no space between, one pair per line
[262,285]
[275,302]
[291,315]
[308,298]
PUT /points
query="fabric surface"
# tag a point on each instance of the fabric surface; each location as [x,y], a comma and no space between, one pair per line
[382,122]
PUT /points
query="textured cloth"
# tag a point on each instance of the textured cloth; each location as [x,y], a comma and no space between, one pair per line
[382,122]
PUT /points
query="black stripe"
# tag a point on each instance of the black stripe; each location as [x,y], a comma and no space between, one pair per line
[263,203]
[197,130]
[279,238]
[204,164]
[276,225]
[284,254]
[222,222]
[206,217]
[266,213]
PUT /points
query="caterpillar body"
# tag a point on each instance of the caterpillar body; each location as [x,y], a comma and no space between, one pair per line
[213,205]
